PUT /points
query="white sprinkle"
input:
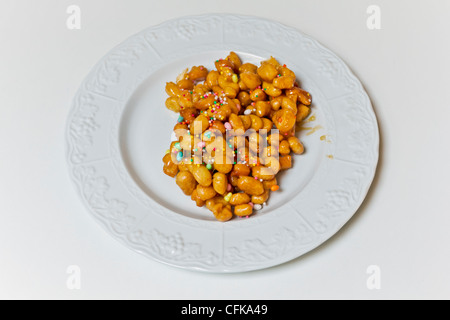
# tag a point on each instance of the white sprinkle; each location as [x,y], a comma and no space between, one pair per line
[247,112]
[261,180]
[257,207]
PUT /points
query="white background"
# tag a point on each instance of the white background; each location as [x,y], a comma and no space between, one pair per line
[403,226]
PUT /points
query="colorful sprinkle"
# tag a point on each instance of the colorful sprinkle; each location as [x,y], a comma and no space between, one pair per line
[227,125]
[209,166]
[180,119]
[208,134]
[275,187]
[201,144]
[234,77]
[251,204]
[177,146]
[179,156]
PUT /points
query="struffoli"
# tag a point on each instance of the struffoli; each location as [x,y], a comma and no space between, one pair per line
[185,180]
[226,154]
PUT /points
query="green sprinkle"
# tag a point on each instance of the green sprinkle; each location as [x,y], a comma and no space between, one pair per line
[209,166]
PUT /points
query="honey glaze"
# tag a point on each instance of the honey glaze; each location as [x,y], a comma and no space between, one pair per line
[311,130]
[311,118]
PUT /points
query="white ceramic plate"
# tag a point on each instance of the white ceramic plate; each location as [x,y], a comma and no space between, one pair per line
[118,131]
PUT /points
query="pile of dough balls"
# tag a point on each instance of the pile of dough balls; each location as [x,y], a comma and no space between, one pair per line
[222,164]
